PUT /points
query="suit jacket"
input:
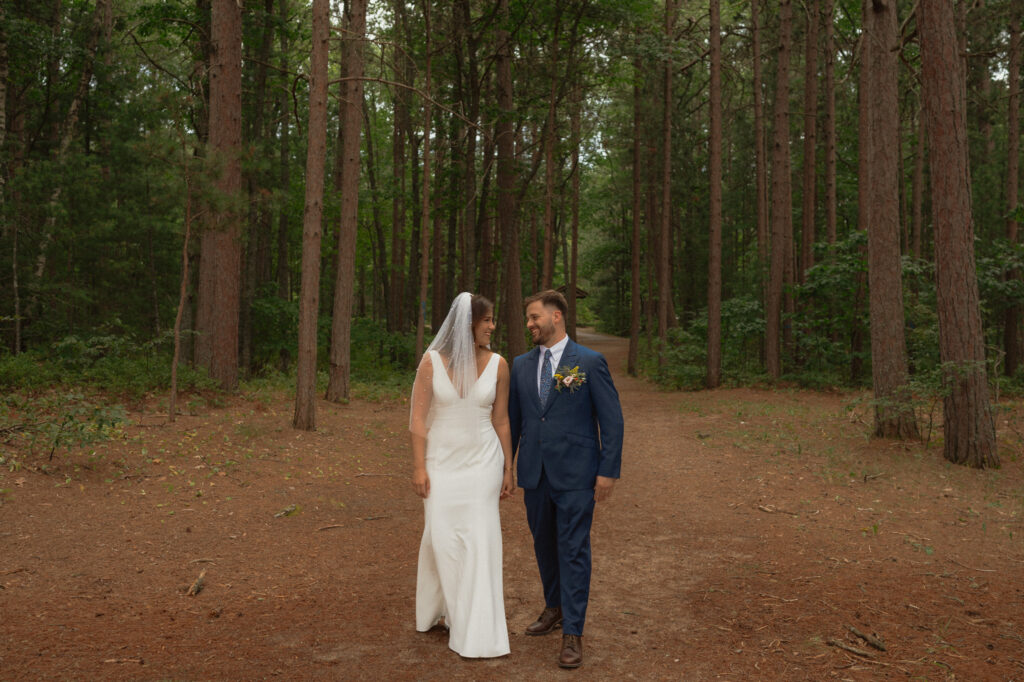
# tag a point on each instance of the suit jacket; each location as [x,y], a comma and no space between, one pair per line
[576,436]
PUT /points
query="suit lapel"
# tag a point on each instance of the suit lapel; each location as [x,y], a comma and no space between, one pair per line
[532,371]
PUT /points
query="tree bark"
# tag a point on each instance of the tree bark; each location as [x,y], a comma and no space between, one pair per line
[831,156]
[634,279]
[312,219]
[396,305]
[917,190]
[548,261]
[968,425]
[220,247]
[879,186]
[172,407]
[284,175]
[512,305]
[807,231]
[424,261]
[574,237]
[760,151]
[665,236]
[338,384]
[1011,318]
[713,376]
[782,208]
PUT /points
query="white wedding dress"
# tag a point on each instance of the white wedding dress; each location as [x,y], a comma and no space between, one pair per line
[459,576]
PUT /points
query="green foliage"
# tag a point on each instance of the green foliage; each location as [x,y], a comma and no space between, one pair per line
[108,362]
[275,321]
[42,424]
[380,357]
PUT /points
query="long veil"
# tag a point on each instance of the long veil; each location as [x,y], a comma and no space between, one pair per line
[454,343]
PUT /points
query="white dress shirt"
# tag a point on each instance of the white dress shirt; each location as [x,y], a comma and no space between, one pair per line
[556,356]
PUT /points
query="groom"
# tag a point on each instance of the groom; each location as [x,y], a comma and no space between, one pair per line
[567,425]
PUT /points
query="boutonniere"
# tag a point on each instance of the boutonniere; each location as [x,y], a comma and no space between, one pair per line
[570,379]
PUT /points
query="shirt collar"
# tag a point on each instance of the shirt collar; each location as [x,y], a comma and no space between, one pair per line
[557,349]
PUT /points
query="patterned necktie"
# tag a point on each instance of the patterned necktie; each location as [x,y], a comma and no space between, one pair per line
[545,378]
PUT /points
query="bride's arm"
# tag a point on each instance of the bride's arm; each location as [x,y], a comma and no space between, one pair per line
[499,418]
[422,394]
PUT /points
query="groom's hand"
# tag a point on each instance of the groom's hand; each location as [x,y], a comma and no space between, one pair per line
[603,488]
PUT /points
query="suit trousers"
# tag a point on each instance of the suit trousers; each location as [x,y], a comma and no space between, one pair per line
[560,522]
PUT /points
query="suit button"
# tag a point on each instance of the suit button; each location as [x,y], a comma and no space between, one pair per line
[543,419]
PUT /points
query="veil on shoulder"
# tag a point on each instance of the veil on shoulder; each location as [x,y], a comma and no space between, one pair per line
[455,344]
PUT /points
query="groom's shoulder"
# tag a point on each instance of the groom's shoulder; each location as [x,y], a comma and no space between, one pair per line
[521,358]
[588,352]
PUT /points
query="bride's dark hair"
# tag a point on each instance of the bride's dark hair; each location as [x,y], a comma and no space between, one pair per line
[480,306]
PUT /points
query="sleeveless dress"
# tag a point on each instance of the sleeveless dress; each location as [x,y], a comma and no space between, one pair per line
[459,575]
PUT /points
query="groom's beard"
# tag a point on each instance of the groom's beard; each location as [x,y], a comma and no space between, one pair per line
[544,335]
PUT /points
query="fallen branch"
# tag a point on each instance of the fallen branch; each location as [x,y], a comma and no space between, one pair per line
[334,525]
[873,640]
[772,510]
[373,518]
[287,511]
[197,586]
[983,570]
[366,474]
[201,561]
[851,649]
[124,660]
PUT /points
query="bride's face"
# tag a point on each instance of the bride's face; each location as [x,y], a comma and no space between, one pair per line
[483,329]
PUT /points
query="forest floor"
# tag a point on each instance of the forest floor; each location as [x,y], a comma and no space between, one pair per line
[750,531]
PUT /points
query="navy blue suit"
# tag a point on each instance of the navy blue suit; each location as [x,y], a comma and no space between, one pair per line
[562,447]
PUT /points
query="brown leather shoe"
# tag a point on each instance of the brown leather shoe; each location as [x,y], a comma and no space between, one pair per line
[549,619]
[572,651]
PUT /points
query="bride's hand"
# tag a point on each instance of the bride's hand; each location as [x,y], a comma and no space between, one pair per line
[508,486]
[421,482]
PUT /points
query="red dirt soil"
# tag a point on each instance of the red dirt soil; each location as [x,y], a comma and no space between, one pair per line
[751,529]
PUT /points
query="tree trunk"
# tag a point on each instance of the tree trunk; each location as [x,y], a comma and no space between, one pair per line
[760,151]
[424,263]
[807,232]
[396,306]
[172,409]
[312,219]
[380,269]
[879,186]
[1011,319]
[634,279]
[548,262]
[574,238]
[968,425]
[831,156]
[782,208]
[512,305]
[714,360]
[665,237]
[485,218]
[917,190]
[338,385]
[220,247]
[468,242]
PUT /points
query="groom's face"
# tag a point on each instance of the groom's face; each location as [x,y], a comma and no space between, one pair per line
[540,320]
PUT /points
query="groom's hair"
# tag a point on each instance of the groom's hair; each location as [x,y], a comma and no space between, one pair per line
[550,298]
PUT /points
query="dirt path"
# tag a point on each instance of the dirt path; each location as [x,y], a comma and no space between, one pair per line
[750,528]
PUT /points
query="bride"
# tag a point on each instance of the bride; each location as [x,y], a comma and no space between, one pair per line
[462,466]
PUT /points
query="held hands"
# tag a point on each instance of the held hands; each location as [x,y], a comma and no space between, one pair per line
[603,488]
[421,482]
[508,486]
